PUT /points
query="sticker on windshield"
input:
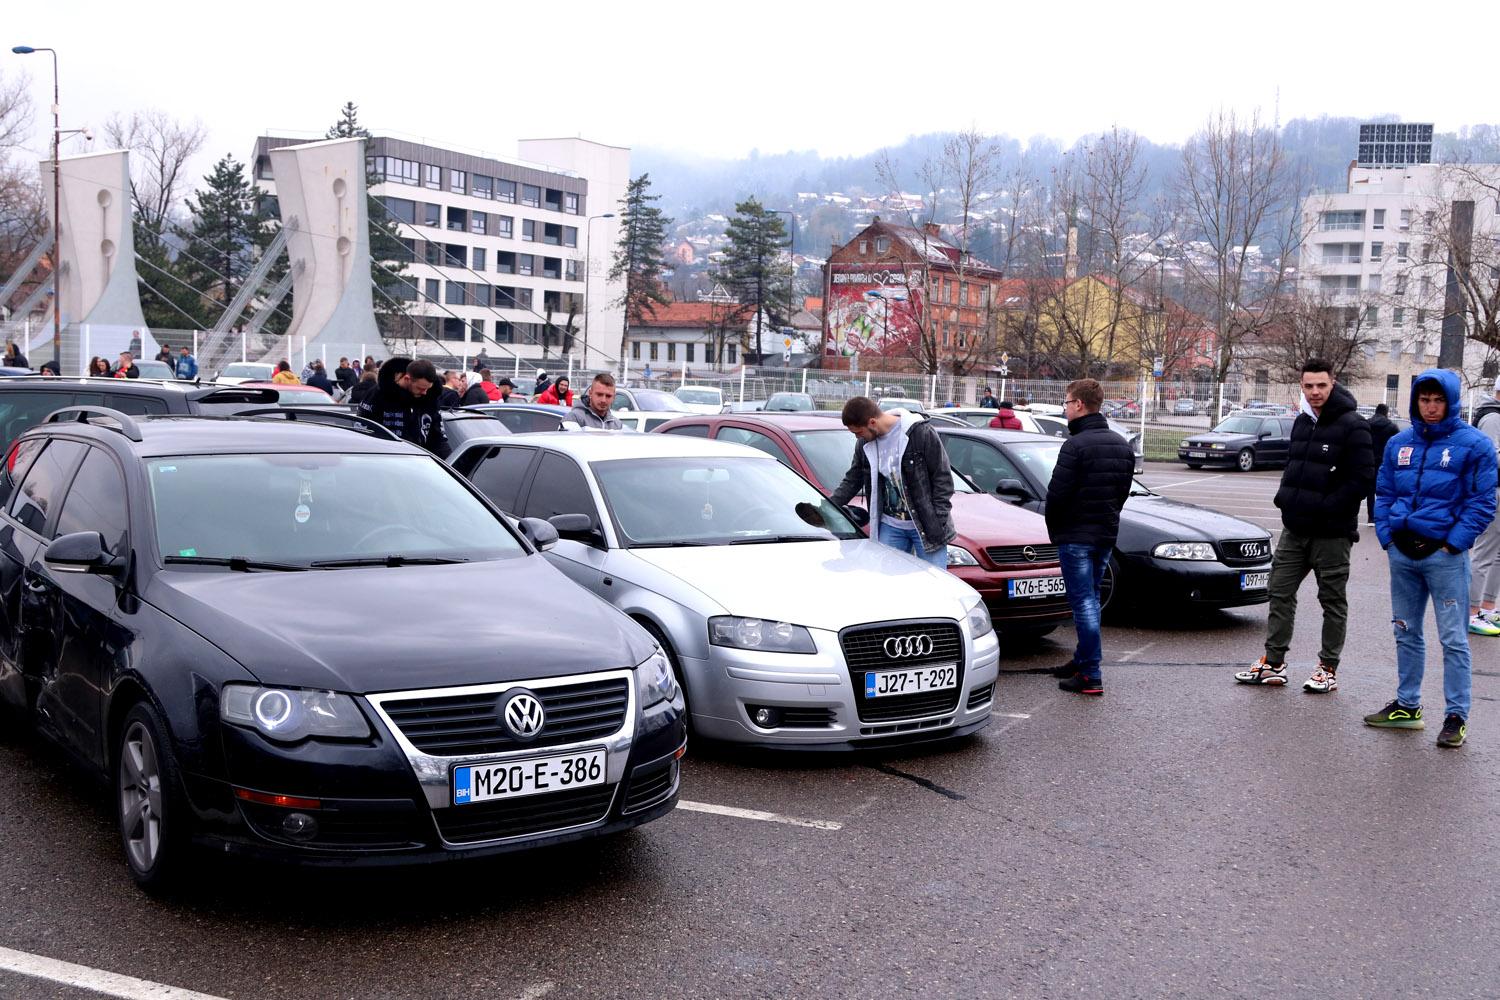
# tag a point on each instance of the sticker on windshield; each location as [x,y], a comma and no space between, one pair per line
[187,552]
[302,513]
[166,468]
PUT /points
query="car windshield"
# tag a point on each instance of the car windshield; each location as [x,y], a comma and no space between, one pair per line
[155,369]
[298,509]
[305,397]
[650,399]
[1239,425]
[661,502]
[251,370]
[710,397]
[831,452]
[1040,458]
[790,401]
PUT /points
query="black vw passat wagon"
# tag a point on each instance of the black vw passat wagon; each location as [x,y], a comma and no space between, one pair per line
[241,623]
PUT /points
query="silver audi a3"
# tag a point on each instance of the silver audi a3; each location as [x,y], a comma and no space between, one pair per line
[786,625]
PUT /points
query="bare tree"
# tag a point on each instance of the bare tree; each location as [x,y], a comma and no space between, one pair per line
[1457,235]
[160,148]
[23,212]
[15,112]
[1315,326]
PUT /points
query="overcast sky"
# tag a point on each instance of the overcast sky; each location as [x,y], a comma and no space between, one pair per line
[722,78]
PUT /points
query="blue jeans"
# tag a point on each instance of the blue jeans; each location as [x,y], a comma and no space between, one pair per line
[1445,577]
[1082,569]
[907,540]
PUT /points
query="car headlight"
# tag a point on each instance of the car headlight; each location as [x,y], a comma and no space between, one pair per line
[1217,446]
[291,714]
[1185,443]
[1185,550]
[755,633]
[655,681]
[979,621]
[960,556]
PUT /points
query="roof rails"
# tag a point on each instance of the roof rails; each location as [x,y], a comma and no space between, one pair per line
[315,414]
[86,414]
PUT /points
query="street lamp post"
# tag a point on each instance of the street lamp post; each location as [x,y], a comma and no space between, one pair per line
[26,50]
[588,267]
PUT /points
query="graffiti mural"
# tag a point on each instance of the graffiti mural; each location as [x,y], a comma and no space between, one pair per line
[874,312]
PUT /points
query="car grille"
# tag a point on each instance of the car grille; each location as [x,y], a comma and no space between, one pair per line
[1007,555]
[366,827]
[1245,551]
[981,696]
[806,718]
[649,784]
[520,817]
[471,724]
[864,649]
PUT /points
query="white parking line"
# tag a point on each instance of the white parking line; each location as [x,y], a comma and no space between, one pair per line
[765,817]
[109,983]
[1011,715]
[537,990]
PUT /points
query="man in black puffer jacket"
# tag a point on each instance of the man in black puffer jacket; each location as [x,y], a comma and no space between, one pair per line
[1330,469]
[405,401]
[1382,429]
[1089,485]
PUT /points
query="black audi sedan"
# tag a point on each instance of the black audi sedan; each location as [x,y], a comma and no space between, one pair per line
[242,624]
[1168,553]
[1244,440]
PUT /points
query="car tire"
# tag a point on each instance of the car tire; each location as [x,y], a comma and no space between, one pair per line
[1245,460]
[150,809]
[1108,585]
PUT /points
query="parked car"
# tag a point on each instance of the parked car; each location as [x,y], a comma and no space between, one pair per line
[641,400]
[644,421]
[528,418]
[901,403]
[294,395]
[744,406]
[174,580]
[790,402]
[151,368]
[1244,440]
[245,371]
[1169,553]
[787,627]
[461,425]
[25,400]
[1184,407]
[701,398]
[1001,551]
[1120,408]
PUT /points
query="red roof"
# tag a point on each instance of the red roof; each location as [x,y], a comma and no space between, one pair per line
[690,315]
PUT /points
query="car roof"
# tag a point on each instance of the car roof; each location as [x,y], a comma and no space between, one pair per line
[143,386]
[184,435]
[602,446]
[996,434]
[556,409]
[787,421]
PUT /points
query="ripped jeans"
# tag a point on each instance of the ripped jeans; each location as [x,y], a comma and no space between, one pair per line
[1444,577]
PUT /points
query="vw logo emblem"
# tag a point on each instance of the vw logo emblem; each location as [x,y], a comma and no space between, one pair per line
[1030,553]
[900,647]
[523,715]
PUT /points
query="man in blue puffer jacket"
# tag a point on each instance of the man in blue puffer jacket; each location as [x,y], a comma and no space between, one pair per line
[1434,495]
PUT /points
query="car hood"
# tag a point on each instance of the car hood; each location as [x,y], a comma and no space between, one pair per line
[1210,437]
[384,629]
[826,585]
[1147,521]
[982,520]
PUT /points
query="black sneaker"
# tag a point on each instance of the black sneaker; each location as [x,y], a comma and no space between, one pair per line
[1079,684]
[1396,716]
[1065,671]
[1455,731]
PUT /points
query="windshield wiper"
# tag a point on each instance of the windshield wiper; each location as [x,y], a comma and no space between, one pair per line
[393,559]
[671,545]
[766,539]
[237,563]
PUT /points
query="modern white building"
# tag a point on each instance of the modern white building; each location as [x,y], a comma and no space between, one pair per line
[1380,249]
[503,257]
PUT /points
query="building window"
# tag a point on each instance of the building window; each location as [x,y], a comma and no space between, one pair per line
[653,350]
[570,270]
[1419,352]
[432,215]
[528,231]
[570,204]
[1378,222]
[454,254]
[1429,219]
[524,263]
[1402,250]
[505,262]
[453,328]
[531,196]
[432,176]
[1376,249]
[864,247]
[504,332]
[476,222]
[458,182]
[1427,253]
[393,169]
[1341,253]
[1421,319]
[432,290]
[688,352]
[570,236]
[1405,219]
[481,295]
[453,294]
[551,267]
[400,209]
[1372,283]
[882,244]
[523,298]
[432,253]
[1398,317]
[1341,220]
[484,187]
[1400,284]
[479,261]
[635,350]
[505,190]
[733,349]
[458,219]
[504,226]
[1426,286]
[1372,315]
[1395,348]
[671,351]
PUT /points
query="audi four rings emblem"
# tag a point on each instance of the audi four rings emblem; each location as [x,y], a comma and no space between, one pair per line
[1030,553]
[524,716]
[900,647]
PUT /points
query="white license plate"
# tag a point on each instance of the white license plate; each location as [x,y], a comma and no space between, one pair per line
[1255,581]
[1037,586]
[513,779]
[884,683]
[1197,454]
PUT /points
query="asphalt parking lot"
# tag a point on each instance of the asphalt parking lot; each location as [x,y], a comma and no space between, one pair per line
[1180,837]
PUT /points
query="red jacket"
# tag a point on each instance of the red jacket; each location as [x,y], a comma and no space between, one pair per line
[549,395]
[491,390]
[1007,421]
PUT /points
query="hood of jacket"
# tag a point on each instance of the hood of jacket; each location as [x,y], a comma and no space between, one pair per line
[1089,421]
[1340,401]
[1451,389]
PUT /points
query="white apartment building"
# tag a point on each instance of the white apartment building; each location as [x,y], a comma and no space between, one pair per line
[503,257]
[1380,250]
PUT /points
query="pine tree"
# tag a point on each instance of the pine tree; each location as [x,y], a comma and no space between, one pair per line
[166,301]
[347,126]
[753,268]
[639,257]
[225,233]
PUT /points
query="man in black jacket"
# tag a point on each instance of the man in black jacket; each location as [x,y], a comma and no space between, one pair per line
[406,402]
[1382,429]
[901,468]
[1089,485]
[1330,469]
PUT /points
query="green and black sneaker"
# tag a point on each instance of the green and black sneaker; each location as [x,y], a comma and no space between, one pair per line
[1455,731]
[1396,716]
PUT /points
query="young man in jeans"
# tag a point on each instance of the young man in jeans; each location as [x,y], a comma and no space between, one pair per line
[902,469]
[1089,485]
[1434,496]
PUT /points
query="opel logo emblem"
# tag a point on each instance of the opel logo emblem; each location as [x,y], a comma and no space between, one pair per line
[900,647]
[1030,553]
[523,715]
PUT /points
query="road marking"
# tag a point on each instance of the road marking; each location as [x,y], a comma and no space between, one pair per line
[1199,479]
[537,990]
[97,980]
[765,817]
[1125,657]
[1011,715]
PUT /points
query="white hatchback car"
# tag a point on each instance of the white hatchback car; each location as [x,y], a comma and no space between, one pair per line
[701,398]
[787,626]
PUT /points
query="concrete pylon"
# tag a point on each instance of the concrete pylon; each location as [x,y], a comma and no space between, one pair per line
[322,186]
[97,287]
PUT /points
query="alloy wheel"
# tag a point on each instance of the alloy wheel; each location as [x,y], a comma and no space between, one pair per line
[140,797]
[1246,460]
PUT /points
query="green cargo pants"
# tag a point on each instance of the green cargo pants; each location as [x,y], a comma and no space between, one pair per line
[1296,556]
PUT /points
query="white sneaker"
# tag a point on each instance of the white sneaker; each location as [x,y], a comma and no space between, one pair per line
[1261,672]
[1321,682]
[1480,625]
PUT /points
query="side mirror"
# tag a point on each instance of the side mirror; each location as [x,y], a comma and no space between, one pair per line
[576,528]
[79,552]
[538,532]
[858,515]
[1012,488]
[1266,434]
